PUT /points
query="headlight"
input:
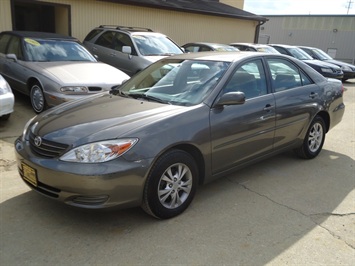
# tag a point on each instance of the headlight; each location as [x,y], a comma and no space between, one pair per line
[98,152]
[26,128]
[4,86]
[74,89]
[327,70]
[345,68]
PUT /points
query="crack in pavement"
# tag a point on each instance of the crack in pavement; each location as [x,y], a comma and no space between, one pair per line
[309,216]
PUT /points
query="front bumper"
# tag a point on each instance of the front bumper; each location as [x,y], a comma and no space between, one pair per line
[332,75]
[117,183]
[349,75]
[7,101]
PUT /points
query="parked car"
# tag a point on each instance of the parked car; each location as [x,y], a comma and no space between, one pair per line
[324,68]
[184,120]
[129,49]
[207,46]
[7,99]
[255,47]
[315,53]
[52,68]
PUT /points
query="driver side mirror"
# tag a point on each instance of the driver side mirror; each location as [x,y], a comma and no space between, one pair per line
[127,49]
[231,98]
[12,57]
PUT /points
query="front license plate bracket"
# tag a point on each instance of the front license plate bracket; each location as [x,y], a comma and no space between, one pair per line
[29,174]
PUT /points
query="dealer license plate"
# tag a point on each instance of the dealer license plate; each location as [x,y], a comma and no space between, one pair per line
[29,174]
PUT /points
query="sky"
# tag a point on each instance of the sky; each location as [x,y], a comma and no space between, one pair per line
[300,7]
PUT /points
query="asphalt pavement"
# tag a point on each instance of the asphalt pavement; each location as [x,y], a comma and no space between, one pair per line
[282,211]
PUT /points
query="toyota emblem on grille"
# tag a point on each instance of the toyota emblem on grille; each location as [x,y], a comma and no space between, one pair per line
[38,141]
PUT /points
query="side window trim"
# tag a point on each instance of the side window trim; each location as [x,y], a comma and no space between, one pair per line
[252,84]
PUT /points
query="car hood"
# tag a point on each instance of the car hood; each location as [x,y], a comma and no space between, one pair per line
[321,63]
[99,117]
[83,73]
[339,63]
[154,58]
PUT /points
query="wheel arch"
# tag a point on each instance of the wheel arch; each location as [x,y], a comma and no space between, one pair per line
[197,155]
[31,81]
[326,118]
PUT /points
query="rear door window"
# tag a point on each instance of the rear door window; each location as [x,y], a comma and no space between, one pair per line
[106,39]
[286,75]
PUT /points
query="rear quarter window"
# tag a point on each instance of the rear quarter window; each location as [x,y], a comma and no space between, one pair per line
[4,40]
[92,34]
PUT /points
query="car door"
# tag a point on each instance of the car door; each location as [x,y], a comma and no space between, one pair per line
[129,63]
[295,96]
[13,69]
[102,48]
[242,132]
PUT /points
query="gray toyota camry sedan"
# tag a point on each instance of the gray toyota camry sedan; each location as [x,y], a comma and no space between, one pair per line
[183,121]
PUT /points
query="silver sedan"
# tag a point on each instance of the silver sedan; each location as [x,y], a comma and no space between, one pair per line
[52,68]
[183,121]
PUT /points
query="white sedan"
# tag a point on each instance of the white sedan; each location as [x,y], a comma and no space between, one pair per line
[7,99]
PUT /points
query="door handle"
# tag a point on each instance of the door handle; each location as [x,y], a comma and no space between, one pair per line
[313,95]
[268,107]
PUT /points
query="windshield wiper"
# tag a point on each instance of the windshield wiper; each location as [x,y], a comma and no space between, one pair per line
[117,91]
[146,97]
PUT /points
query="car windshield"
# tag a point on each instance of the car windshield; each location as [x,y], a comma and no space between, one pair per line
[224,48]
[265,49]
[155,45]
[54,50]
[300,54]
[321,55]
[178,82]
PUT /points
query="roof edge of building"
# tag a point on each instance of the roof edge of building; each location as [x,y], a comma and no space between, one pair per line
[217,8]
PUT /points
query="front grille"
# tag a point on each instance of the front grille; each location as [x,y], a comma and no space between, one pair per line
[95,89]
[47,148]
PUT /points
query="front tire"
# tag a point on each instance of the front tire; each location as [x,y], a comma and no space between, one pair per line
[314,139]
[171,185]
[37,98]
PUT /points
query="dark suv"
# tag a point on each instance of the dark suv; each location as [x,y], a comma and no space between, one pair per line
[130,49]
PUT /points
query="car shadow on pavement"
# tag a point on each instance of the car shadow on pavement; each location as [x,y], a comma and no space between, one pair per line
[249,217]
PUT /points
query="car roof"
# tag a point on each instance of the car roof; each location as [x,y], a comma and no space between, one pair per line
[212,44]
[219,56]
[250,44]
[308,47]
[128,29]
[283,45]
[39,35]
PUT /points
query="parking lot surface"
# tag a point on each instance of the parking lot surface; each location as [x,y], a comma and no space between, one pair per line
[282,211]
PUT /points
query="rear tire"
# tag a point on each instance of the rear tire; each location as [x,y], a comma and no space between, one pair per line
[37,98]
[171,185]
[5,117]
[314,139]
